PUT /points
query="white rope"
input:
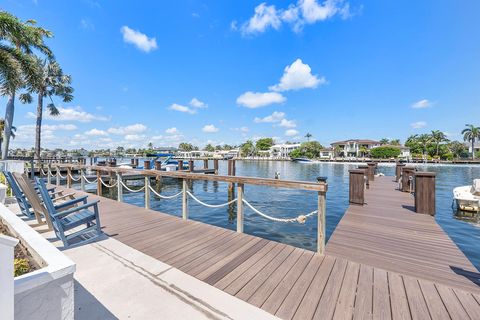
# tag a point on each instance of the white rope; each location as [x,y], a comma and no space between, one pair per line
[88,181]
[300,219]
[164,197]
[60,175]
[211,205]
[43,172]
[107,185]
[74,179]
[131,190]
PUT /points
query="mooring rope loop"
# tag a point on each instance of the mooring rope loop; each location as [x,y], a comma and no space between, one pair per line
[162,196]
[131,190]
[107,185]
[210,205]
[300,219]
[43,172]
[88,181]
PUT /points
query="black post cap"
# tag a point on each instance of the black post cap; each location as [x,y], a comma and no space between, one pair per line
[322,179]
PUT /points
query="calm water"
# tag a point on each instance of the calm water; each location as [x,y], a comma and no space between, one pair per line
[279,202]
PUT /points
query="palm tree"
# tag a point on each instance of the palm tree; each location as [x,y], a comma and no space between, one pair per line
[308,136]
[395,142]
[424,140]
[437,137]
[2,127]
[49,82]
[384,141]
[17,65]
[471,133]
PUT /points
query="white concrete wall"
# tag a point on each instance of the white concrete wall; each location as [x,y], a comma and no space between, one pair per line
[52,300]
[46,293]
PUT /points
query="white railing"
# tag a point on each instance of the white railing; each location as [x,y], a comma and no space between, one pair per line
[7,245]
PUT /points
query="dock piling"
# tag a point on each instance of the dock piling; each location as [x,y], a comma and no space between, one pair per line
[191,165]
[407,179]
[205,164]
[425,192]
[215,165]
[82,180]
[49,174]
[184,200]
[180,165]
[58,176]
[356,186]
[69,177]
[147,192]
[99,183]
[119,187]
[398,171]
[371,170]
[146,165]
[321,219]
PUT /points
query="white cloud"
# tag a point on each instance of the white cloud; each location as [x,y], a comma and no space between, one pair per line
[131,129]
[71,114]
[210,128]
[138,39]
[244,129]
[96,132]
[422,104]
[198,104]
[297,76]
[172,130]
[259,99]
[291,132]
[287,123]
[67,127]
[134,137]
[296,15]
[276,116]
[265,16]
[418,125]
[180,108]
[86,24]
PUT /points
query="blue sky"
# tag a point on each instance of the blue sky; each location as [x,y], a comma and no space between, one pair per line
[224,71]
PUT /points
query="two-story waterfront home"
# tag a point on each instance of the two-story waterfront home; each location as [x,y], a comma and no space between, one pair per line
[354,147]
[283,150]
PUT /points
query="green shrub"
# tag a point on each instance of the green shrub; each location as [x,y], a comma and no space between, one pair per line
[21,266]
[385,152]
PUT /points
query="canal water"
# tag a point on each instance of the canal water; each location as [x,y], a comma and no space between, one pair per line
[464,229]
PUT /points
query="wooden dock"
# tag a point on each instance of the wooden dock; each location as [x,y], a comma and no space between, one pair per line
[382,262]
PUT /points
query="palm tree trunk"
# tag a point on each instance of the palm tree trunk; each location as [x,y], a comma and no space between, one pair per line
[9,111]
[38,127]
[473,149]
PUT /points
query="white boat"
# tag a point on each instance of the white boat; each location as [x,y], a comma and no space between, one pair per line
[468,197]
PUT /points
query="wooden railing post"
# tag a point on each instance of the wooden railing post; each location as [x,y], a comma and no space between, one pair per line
[371,171]
[99,183]
[82,179]
[240,190]
[147,192]
[69,177]
[425,192]
[119,187]
[58,175]
[321,219]
[398,171]
[184,200]
[357,186]
[49,174]
[407,178]
[7,292]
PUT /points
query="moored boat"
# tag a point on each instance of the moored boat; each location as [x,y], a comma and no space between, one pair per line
[302,160]
[468,197]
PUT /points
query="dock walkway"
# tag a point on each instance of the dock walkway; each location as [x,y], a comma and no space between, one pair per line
[398,268]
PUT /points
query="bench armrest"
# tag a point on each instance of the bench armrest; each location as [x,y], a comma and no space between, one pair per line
[75,209]
[71,202]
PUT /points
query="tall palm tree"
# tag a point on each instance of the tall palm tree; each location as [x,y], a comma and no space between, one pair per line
[471,134]
[384,141]
[437,137]
[424,140]
[2,127]
[50,81]
[308,136]
[17,65]
[395,142]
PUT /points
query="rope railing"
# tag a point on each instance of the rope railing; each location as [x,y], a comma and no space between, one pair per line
[132,190]
[162,196]
[74,179]
[108,185]
[88,181]
[211,205]
[300,218]
[60,175]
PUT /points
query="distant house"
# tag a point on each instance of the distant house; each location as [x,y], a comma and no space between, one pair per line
[354,147]
[476,147]
[327,153]
[283,150]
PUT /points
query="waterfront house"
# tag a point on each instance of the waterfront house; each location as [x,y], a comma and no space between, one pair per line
[283,150]
[327,153]
[476,147]
[354,147]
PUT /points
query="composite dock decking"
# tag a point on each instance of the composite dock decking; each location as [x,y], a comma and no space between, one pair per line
[294,283]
